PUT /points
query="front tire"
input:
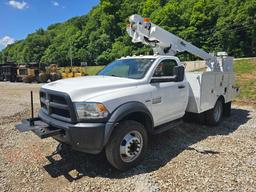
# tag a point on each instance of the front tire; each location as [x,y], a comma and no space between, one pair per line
[214,116]
[127,145]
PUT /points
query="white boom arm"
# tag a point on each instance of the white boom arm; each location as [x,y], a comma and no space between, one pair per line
[164,42]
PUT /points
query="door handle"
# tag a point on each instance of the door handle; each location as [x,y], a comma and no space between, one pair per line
[181,86]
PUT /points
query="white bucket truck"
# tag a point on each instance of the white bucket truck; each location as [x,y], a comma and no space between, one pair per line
[133,97]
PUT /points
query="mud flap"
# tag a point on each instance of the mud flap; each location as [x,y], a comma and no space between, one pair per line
[40,128]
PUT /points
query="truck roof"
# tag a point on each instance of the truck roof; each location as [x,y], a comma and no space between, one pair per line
[148,57]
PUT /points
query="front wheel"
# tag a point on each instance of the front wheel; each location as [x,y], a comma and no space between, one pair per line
[214,116]
[127,145]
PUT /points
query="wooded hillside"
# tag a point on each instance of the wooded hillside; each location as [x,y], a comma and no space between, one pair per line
[100,36]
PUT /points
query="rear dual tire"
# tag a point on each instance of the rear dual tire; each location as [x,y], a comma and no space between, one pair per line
[227,109]
[214,116]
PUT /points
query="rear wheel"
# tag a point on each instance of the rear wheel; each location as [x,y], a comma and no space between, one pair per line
[127,145]
[227,109]
[214,116]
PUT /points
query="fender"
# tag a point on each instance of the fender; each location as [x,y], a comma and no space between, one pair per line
[121,112]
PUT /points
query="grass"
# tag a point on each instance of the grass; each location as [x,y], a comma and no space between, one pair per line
[246,80]
[93,70]
[245,66]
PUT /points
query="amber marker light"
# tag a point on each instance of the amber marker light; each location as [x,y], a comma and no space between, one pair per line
[147,20]
[101,108]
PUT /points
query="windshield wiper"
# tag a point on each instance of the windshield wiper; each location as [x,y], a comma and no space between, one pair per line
[116,76]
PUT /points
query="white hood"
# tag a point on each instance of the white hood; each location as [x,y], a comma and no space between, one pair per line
[83,88]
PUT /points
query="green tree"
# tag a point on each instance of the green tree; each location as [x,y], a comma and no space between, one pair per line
[100,36]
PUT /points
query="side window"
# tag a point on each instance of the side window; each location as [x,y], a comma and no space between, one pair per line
[165,68]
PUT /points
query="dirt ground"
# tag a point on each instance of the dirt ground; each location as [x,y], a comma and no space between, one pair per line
[191,157]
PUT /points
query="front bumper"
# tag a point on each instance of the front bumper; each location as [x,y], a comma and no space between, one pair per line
[85,137]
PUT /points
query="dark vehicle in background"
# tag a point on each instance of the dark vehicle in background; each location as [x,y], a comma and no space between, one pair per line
[8,72]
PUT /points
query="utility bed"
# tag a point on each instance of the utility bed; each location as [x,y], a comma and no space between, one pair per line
[206,87]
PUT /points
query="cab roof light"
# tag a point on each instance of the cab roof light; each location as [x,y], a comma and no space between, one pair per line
[147,20]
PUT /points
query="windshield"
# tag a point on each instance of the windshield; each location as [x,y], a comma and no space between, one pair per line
[128,68]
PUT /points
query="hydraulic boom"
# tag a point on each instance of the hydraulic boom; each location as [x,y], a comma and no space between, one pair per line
[166,43]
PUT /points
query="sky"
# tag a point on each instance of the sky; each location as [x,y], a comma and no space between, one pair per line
[18,18]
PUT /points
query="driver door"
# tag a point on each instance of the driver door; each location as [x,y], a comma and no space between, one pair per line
[168,98]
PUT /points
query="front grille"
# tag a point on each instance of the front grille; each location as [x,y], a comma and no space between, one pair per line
[57,105]
[61,112]
[58,99]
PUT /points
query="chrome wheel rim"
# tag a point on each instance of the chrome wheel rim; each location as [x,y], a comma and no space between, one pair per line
[131,146]
[217,112]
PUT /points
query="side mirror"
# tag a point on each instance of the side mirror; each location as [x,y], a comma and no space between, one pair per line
[179,72]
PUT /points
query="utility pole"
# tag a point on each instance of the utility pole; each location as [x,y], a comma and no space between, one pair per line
[70,55]
[2,59]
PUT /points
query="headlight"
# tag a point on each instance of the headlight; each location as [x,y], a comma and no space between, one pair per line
[90,111]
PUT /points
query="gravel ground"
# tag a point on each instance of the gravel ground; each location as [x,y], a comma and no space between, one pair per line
[191,157]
